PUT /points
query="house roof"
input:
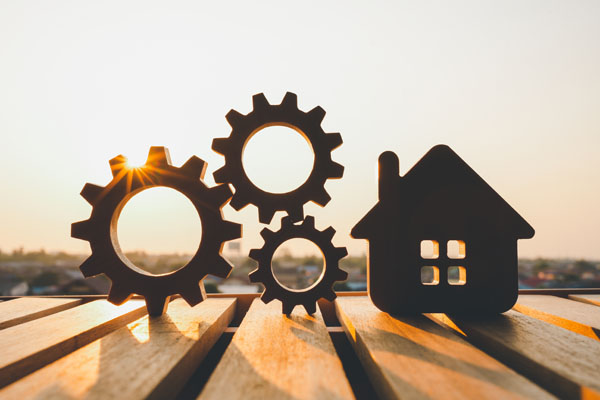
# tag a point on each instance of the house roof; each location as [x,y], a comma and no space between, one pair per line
[441,186]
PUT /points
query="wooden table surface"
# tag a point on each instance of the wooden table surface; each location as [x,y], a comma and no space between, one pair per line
[239,348]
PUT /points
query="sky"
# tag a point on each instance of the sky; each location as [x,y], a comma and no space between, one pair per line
[512,86]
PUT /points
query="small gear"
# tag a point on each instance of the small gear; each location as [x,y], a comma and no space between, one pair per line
[101,230]
[322,288]
[308,124]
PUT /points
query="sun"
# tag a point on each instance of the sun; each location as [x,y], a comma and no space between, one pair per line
[135,161]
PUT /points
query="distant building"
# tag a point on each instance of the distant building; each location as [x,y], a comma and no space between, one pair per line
[12,285]
[93,285]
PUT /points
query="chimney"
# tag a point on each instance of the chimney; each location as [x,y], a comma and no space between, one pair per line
[389,173]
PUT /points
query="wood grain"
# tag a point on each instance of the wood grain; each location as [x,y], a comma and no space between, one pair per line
[272,356]
[563,362]
[593,299]
[412,357]
[574,316]
[29,346]
[25,309]
[149,358]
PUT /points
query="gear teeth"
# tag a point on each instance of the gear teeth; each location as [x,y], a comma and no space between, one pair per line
[287,221]
[221,145]
[341,275]
[118,295]
[330,295]
[157,305]
[287,308]
[193,294]
[255,276]
[158,156]
[222,175]
[230,230]
[237,202]
[329,233]
[92,193]
[221,194]
[82,230]
[90,267]
[195,167]
[117,164]
[296,214]
[159,172]
[255,254]
[233,118]
[336,170]
[309,222]
[265,215]
[316,114]
[321,197]
[266,297]
[221,268]
[340,252]
[266,234]
[259,101]
[290,100]
[334,140]
[311,308]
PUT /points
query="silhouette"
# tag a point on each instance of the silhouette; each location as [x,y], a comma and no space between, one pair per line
[285,114]
[322,288]
[101,231]
[440,239]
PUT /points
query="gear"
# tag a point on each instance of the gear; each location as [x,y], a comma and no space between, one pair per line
[101,230]
[285,114]
[322,288]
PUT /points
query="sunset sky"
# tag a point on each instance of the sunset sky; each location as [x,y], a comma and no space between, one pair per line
[512,86]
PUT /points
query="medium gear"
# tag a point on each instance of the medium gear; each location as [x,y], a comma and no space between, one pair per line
[322,288]
[285,114]
[101,231]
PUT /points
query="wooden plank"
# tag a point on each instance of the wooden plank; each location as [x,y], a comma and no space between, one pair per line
[412,357]
[29,346]
[574,316]
[593,299]
[563,362]
[272,356]
[25,309]
[149,358]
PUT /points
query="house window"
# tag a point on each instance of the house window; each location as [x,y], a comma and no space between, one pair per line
[445,253]
[457,275]
[430,249]
[456,249]
[430,275]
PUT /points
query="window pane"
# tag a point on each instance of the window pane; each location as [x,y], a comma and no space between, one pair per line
[457,249]
[430,275]
[430,249]
[457,275]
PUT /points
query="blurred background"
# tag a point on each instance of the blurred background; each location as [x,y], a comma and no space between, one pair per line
[513,87]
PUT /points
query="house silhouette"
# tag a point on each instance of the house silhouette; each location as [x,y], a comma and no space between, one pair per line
[440,239]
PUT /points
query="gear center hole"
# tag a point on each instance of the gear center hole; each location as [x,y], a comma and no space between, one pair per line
[278,159]
[295,272]
[159,230]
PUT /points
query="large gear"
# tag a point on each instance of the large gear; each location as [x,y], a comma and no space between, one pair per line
[308,124]
[322,288]
[100,230]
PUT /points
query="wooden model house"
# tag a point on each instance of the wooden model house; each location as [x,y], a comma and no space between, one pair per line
[440,239]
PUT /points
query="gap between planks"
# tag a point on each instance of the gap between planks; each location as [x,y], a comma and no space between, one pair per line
[148,358]
[26,309]
[31,345]
[563,362]
[412,357]
[272,356]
